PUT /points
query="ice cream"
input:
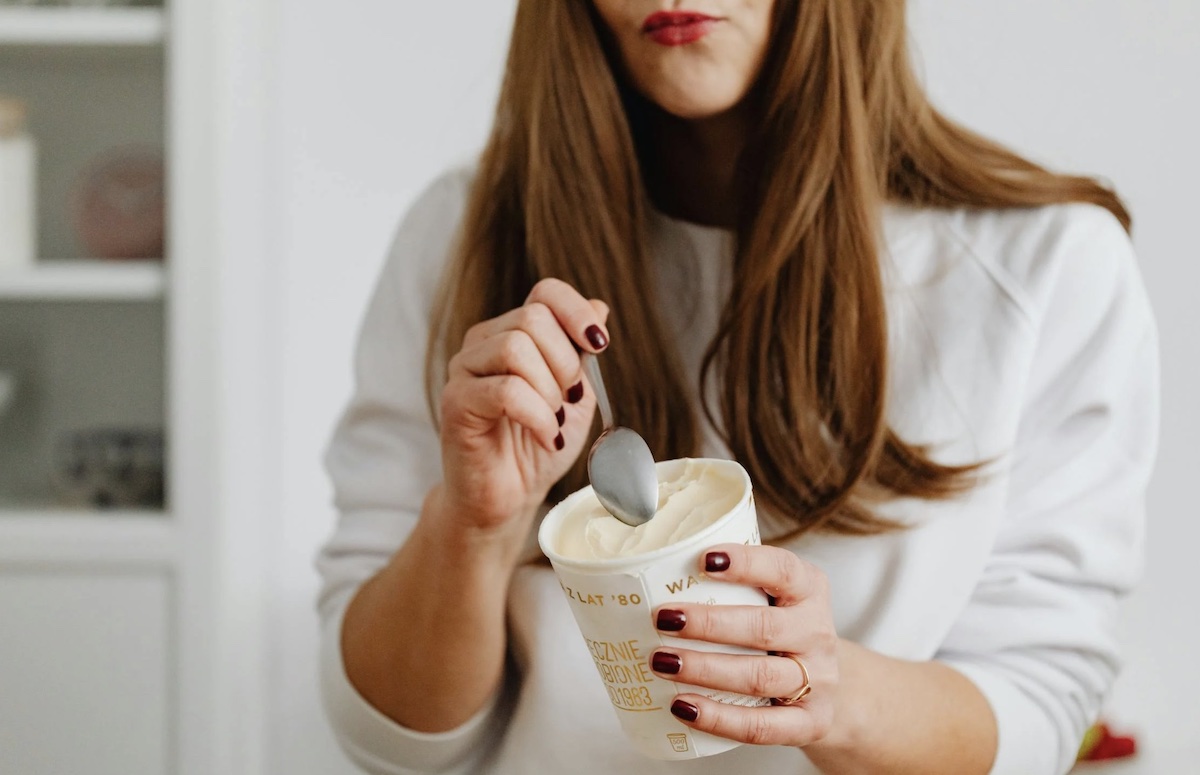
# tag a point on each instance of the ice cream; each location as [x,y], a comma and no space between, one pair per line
[696,497]
[614,577]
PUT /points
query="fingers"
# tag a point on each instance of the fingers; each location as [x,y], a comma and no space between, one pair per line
[560,322]
[582,320]
[800,589]
[757,676]
[778,572]
[753,626]
[488,399]
[769,725]
[512,353]
[537,345]
[800,625]
[537,323]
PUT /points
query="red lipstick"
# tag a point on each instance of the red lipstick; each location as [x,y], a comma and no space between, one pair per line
[677,28]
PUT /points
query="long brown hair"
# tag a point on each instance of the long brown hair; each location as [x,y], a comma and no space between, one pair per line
[801,349]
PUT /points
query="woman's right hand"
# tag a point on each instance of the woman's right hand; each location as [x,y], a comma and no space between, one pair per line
[515,415]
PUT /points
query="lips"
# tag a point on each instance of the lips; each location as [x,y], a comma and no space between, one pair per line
[677,28]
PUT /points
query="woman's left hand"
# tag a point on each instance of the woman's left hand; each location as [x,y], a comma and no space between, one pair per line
[800,623]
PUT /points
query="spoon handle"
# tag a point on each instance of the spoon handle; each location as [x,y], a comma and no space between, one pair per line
[591,365]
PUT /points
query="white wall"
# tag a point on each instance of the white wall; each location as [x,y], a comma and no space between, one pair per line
[375,98]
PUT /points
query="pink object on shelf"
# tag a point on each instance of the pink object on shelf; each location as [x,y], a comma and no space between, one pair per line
[119,205]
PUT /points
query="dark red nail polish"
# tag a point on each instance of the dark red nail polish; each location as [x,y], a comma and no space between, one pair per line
[561,415]
[664,662]
[596,337]
[559,442]
[685,710]
[671,621]
[715,562]
[575,394]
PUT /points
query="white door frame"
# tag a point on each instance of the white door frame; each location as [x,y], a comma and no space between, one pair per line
[222,380]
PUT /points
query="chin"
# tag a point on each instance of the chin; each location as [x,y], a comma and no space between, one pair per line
[697,103]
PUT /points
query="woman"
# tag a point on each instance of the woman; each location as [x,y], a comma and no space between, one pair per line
[934,358]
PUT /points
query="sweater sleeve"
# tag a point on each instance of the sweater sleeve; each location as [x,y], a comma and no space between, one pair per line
[383,459]
[1037,636]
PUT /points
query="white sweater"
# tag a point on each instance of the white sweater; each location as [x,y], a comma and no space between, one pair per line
[1023,337]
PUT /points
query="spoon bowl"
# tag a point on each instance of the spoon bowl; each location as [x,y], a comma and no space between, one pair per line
[623,476]
[620,465]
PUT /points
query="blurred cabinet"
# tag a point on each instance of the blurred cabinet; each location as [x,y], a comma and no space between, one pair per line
[86,677]
[98,663]
[81,337]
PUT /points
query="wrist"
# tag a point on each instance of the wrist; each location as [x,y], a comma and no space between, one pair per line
[452,527]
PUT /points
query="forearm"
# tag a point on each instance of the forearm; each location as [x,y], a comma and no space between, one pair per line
[898,717]
[424,640]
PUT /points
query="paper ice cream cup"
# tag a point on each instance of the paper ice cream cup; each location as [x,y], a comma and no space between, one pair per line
[612,600]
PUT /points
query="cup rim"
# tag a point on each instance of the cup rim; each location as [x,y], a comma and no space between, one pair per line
[615,564]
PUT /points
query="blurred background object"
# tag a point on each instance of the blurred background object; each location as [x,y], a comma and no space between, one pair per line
[111,468]
[18,186]
[97,593]
[88,335]
[118,205]
[8,387]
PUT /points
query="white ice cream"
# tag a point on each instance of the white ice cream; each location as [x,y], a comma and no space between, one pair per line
[687,503]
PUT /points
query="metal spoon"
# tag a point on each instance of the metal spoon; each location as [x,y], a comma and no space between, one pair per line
[620,466]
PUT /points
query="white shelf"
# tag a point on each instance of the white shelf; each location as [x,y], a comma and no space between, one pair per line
[85,280]
[82,26]
[87,538]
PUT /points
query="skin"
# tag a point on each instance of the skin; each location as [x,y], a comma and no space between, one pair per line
[509,385]
[700,89]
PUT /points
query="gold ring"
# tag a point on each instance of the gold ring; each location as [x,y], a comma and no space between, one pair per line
[804,689]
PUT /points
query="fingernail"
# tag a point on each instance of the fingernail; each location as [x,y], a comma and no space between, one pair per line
[575,393]
[596,337]
[685,710]
[715,562]
[561,415]
[559,442]
[664,662]
[671,621]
